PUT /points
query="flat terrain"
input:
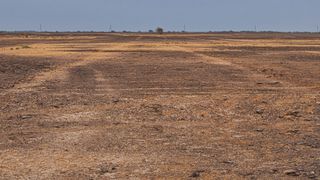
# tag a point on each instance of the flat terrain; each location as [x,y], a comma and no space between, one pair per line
[147,106]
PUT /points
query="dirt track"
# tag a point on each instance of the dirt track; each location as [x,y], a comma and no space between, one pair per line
[176,106]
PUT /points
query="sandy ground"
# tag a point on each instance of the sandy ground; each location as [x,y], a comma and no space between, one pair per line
[146,106]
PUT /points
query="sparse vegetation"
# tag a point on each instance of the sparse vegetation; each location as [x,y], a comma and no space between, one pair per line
[159,30]
[25,47]
[111,106]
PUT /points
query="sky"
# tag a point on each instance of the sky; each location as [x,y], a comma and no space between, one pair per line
[172,15]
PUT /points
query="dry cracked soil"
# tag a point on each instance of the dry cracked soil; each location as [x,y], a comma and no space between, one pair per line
[171,106]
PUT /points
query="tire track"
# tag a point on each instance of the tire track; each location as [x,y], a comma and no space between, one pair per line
[59,73]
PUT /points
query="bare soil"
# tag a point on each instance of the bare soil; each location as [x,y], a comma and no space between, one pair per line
[172,106]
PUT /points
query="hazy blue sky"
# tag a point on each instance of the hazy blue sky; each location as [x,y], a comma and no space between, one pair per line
[197,15]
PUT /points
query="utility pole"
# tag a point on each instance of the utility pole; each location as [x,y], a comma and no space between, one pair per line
[110,28]
[184,28]
[255,28]
[40,27]
[318,28]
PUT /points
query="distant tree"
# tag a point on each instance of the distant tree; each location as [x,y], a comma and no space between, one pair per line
[150,31]
[159,30]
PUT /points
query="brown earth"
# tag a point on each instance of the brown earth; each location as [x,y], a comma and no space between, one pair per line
[146,106]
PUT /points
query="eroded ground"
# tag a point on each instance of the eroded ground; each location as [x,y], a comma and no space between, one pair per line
[143,106]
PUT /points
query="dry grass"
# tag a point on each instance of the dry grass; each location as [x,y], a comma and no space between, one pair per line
[169,106]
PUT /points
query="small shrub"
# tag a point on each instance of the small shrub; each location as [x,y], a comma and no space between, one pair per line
[159,30]
[25,47]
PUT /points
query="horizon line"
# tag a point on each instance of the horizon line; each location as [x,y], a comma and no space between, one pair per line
[153,32]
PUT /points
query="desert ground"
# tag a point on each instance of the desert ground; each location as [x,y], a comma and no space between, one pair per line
[149,106]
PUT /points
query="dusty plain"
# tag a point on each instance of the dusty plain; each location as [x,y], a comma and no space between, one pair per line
[148,106]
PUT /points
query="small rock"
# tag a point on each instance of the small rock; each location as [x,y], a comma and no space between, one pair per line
[274,82]
[196,174]
[259,130]
[294,113]
[55,106]
[26,117]
[259,111]
[106,168]
[274,170]
[228,162]
[294,131]
[225,98]
[312,175]
[115,100]
[291,172]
